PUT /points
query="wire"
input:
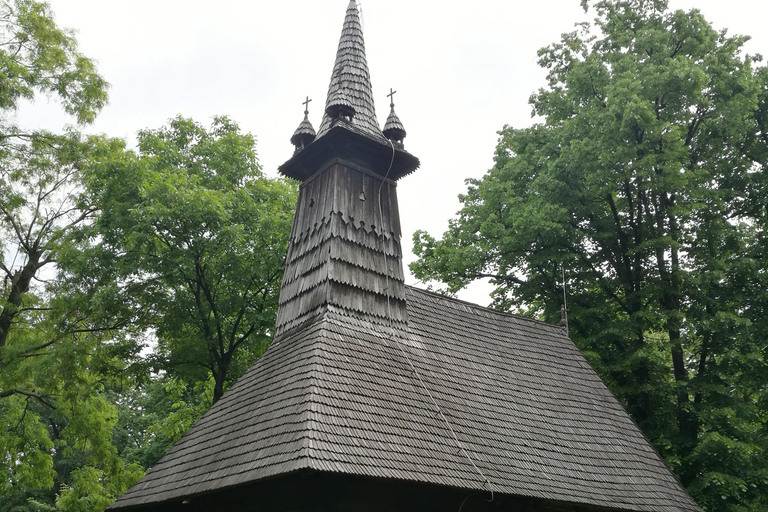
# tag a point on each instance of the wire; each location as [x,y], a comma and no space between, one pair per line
[384,249]
[565,304]
[392,337]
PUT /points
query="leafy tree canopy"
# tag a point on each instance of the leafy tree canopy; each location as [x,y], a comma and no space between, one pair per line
[55,421]
[105,252]
[190,242]
[37,56]
[646,183]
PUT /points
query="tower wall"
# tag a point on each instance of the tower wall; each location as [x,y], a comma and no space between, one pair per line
[345,251]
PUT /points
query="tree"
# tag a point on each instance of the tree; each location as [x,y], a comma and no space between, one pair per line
[157,414]
[53,360]
[55,423]
[190,241]
[37,56]
[646,184]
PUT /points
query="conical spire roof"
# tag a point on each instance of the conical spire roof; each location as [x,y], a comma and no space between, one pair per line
[394,123]
[351,80]
[349,129]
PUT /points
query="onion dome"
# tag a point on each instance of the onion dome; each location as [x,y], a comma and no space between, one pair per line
[305,133]
[393,128]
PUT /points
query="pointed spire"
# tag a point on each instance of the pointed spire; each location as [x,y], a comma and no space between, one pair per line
[305,133]
[349,94]
[393,128]
[349,130]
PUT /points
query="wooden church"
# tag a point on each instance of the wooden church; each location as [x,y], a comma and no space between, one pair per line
[377,396]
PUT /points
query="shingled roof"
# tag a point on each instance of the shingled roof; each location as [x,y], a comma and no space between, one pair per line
[341,396]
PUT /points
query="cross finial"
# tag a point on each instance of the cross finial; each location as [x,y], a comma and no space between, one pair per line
[391,97]
[306,106]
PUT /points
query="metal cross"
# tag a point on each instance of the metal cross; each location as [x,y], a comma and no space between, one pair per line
[391,97]
[306,105]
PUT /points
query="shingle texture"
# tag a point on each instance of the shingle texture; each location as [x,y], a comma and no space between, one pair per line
[351,81]
[351,125]
[340,396]
[393,128]
[344,251]
[304,134]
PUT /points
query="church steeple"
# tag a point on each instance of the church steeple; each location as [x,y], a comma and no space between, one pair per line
[349,128]
[344,255]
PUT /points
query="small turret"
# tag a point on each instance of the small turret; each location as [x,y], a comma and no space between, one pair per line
[393,128]
[305,133]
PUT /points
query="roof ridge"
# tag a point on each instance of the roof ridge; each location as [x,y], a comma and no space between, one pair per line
[482,308]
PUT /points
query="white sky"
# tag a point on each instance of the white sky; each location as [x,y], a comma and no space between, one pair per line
[461,73]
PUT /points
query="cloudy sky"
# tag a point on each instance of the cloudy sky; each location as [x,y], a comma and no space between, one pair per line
[462,71]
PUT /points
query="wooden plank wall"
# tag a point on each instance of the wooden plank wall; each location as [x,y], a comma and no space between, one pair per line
[344,251]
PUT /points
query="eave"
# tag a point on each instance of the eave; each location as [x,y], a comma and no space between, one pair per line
[343,141]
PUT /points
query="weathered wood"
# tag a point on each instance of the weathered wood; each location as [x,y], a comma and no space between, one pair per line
[339,396]
[344,250]
[350,75]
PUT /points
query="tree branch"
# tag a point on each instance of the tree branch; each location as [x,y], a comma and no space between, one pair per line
[42,398]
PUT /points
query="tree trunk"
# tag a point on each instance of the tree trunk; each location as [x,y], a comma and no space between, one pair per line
[20,283]
[220,376]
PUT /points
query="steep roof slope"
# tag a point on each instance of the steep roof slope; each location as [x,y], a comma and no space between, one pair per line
[346,396]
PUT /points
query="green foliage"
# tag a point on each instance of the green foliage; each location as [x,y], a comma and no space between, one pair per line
[187,406]
[156,415]
[104,252]
[647,183]
[36,56]
[55,422]
[190,242]
[53,363]
[88,492]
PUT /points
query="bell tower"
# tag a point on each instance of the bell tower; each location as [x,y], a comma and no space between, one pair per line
[345,251]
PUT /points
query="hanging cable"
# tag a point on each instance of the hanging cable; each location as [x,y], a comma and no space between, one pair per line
[565,303]
[393,338]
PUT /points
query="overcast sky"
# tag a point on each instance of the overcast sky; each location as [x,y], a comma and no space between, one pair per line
[462,72]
